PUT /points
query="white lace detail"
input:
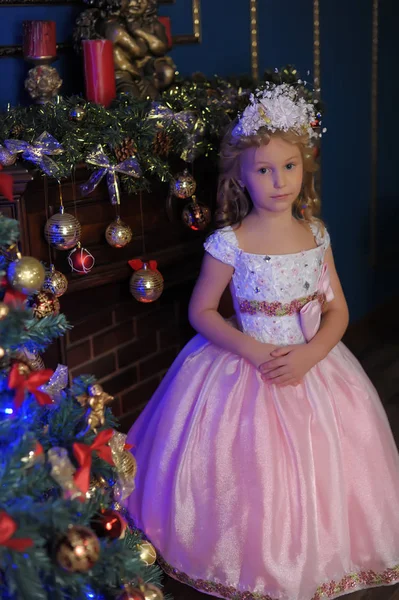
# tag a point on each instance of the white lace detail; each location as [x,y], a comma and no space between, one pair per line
[222,244]
[280,278]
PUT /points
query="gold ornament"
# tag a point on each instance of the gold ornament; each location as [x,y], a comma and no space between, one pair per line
[55,282]
[95,401]
[196,215]
[30,359]
[43,83]
[97,483]
[118,234]
[26,275]
[184,185]
[62,231]
[78,550]
[6,158]
[147,553]
[146,284]
[4,310]
[44,304]
[77,114]
[2,352]
[151,592]
[125,464]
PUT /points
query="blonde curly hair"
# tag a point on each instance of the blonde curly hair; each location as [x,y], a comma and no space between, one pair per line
[234,203]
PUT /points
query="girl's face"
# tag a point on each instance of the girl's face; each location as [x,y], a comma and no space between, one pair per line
[272,175]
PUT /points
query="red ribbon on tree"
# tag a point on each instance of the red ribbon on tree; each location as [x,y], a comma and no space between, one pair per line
[6,185]
[138,264]
[83,454]
[7,529]
[22,384]
[11,297]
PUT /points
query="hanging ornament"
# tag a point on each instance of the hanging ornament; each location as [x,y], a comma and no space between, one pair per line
[125,464]
[77,114]
[147,553]
[146,284]
[30,359]
[184,185]
[118,234]
[98,158]
[55,282]
[62,230]
[6,158]
[26,275]
[95,401]
[151,591]
[44,304]
[2,352]
[80,260]
[196,215]
[78,550]
[4,310]
[131,593]
[110,524]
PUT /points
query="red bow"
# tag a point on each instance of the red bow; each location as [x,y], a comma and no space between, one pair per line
[30,384]
[6,185]
[83,452]
[11,297]
[137,264]
[7,529]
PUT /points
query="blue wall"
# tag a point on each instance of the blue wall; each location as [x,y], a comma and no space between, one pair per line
[286,36]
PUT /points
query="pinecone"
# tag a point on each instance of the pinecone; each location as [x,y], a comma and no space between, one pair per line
[16,130]
[125,150]
[162,143]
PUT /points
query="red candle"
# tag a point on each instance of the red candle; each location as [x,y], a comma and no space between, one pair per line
[99,71]
[39,40]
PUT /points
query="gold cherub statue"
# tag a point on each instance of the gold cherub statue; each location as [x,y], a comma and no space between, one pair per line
[139,39]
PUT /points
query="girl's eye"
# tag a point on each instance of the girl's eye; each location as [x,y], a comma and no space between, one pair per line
[263,170]
[290,166]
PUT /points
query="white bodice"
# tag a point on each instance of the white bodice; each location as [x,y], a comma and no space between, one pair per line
[272,278]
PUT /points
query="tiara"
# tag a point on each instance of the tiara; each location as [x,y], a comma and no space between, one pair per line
[280,107]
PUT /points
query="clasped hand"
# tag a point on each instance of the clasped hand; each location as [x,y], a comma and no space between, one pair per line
[288,364]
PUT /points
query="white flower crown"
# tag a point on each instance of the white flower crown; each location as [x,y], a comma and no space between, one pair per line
[279,107]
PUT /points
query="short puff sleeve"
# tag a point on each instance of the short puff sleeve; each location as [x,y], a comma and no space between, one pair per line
[222,245]
[320,233]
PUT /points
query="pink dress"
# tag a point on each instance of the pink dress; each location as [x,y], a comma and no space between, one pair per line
[251,491]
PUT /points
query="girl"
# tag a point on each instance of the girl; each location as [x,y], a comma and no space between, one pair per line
[266,465]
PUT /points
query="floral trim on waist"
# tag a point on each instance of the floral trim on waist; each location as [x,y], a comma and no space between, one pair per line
[277,309]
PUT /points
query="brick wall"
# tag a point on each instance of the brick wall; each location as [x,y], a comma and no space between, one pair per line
[129,347]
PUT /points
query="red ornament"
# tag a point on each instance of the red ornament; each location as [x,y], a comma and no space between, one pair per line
[109,523]
[80,260]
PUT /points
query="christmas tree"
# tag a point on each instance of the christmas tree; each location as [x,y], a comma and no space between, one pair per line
[64,467]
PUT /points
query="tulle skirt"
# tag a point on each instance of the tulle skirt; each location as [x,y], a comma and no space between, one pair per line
[254,491]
